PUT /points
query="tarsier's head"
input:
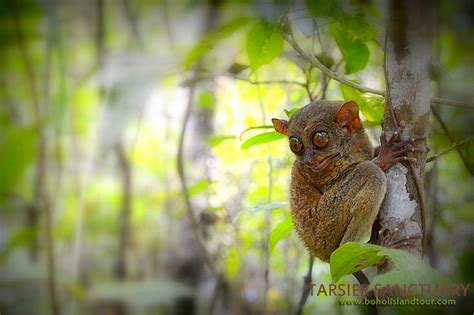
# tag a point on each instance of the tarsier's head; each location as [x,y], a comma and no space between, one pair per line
[326,134]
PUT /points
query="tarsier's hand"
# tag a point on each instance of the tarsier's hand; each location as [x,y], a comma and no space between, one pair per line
[393,149]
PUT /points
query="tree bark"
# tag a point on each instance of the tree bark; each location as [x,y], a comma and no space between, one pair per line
[408,50]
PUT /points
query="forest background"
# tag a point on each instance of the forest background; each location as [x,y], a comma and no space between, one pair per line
[139,173]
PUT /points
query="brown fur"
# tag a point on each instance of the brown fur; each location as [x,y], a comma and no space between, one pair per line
[338,203]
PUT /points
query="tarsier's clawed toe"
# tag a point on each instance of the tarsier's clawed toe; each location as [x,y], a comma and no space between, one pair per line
[394,238]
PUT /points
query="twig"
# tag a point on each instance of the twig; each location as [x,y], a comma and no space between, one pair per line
[184,187]
[447,150]
[451,138]
[306,286]
[364,89]
[212,77]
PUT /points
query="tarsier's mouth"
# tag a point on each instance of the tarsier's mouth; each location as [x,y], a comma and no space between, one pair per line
[324,162]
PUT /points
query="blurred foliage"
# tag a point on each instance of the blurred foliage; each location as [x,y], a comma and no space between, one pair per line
[96,77]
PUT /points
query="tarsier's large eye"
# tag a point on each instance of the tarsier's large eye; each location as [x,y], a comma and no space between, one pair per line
[320,139]
[295,145]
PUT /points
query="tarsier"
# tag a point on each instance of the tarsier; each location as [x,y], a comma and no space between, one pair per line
[337,186]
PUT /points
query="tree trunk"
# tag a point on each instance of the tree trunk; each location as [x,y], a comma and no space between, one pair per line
[407,61]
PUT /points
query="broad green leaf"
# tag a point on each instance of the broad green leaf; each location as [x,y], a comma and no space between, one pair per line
[199,187]
[206,100]
[256,127]
[207,42]
[216,140]
[354,50]
[370,107]
[408,269]
[232,263]
[261,139]
[17,151]
[280,232]
[264,43]
[352,257]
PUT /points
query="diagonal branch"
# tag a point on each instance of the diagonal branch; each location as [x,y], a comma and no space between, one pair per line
[361,88]
[447,150]
[451,138]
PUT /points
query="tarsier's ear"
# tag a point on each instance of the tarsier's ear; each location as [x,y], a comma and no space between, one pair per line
[347,117]
[281,126]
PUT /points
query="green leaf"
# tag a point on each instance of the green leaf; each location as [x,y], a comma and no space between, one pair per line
[232,263]
[264,43]
[325,60]
[291,112]
[216,140]
[280,232]
[352,257]
[17,151]
[408,269]
[207,42]
[206,100]
[261,139]
[370,107]
[257,127]
[199,187]
[320,7]
[355,52]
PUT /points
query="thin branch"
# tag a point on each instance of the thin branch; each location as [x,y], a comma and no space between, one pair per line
[184,187]
[364,89]
[451,138]
[212,77]
[447,150]
[306,285]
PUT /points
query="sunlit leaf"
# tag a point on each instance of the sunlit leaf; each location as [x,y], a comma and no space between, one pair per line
[232,263]
[352,257]
[206,100]
[291,112]
[264,43]
[261,139]
[17,151]
[199,187]
[256,127]
[216,140]
[371,107]
[280,232]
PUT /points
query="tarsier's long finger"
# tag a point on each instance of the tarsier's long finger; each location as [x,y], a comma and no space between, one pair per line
[407,142]
[403,159]
[408,149]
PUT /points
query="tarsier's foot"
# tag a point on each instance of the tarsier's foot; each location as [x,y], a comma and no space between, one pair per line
[395,238]
[393,149]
